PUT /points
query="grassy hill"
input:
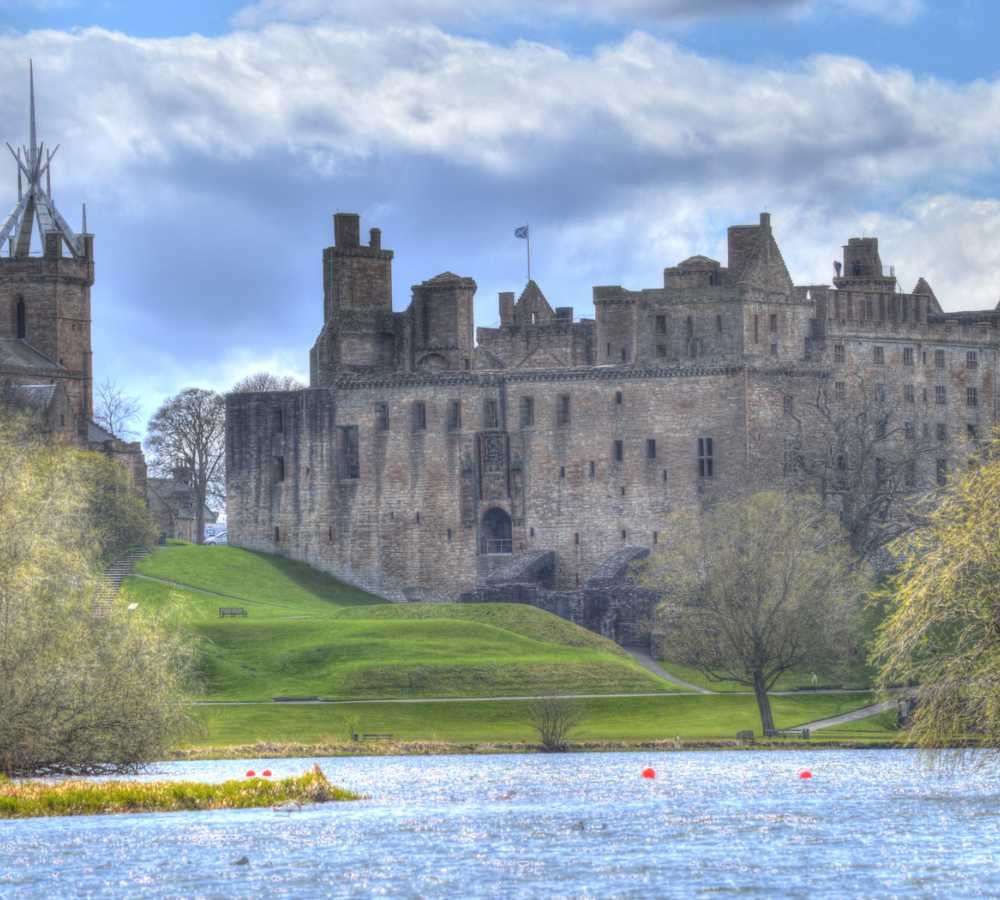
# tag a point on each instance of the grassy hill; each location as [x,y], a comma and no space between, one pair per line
[307,634]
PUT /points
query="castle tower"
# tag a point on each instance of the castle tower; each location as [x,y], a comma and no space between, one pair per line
[863,269]
[358,331]
[441,323]
[45,285]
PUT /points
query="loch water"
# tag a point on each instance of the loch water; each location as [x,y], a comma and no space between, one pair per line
[873,823]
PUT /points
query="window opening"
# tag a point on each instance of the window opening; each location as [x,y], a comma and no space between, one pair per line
[562,410]
[527,412]
[491,417]
[419,415]
[349,457]
[706,458]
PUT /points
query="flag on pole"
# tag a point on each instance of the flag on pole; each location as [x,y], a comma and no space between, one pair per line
[521,232]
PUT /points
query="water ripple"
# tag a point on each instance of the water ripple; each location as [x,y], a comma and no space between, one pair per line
[869,823]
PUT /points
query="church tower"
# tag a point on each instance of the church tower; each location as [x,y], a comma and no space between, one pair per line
[46,272]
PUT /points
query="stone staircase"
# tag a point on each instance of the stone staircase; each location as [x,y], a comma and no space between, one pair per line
[114,574]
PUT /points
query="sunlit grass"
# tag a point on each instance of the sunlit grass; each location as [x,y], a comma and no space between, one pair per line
[83,798]
[309,635]
[604,719]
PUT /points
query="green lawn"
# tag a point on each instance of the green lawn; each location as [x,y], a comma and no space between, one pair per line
[608,719]
[847,675]
[307,634]
[875,726]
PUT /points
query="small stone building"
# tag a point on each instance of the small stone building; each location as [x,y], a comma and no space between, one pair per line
[171,501]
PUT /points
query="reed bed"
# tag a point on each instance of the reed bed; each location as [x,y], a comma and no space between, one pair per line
[24,799]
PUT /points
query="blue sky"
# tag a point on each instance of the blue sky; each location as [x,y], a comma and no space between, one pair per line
[213,141]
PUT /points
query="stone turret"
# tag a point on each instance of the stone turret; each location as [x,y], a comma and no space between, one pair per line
[358,329]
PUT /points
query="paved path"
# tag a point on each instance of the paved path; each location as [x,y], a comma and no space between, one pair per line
[647,662]
[434,699]
[853,716]
[188,587]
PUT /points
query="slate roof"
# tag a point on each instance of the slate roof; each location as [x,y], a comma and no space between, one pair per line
[37,396]
[17,353]
[98,435]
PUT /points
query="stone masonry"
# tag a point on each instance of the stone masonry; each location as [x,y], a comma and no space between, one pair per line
[528,464]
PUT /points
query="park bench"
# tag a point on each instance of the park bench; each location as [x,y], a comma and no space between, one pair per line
[802,733]
[225,611]
[370,736]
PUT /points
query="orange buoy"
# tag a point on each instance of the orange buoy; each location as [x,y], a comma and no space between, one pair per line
[649,773]
[250,773]
[805,774]
[266,773]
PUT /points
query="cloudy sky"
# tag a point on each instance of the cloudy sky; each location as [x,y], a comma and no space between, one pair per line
[212,142]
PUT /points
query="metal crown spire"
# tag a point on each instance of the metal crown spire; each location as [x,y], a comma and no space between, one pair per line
[34,202]
[31,126]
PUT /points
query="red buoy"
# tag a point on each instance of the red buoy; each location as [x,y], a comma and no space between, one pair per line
[250,773]
[649,773]
[805,774]
[266,773]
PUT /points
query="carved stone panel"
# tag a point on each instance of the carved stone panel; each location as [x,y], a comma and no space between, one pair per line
[494,465]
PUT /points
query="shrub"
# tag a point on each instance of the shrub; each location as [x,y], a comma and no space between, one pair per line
[553,718]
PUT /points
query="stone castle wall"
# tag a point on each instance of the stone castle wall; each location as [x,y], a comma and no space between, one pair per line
[554,447]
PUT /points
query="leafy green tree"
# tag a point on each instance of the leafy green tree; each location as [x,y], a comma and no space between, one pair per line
[84,686]
[118,515]
[943,630]
[755,587]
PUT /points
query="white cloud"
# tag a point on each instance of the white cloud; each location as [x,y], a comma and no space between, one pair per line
[353,94]
[631,13]
[210,167]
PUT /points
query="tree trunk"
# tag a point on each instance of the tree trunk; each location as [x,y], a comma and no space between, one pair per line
[763,702]
[199,515]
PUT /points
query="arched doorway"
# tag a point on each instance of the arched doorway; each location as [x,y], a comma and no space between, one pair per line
[495,532]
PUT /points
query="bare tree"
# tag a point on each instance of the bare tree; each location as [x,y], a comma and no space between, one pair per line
[755,587]
[265,381]
[189,431]
[553,718]
[865,460]
[115,410]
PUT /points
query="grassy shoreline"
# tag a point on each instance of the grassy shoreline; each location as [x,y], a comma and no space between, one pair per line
[282,750]
[31,799]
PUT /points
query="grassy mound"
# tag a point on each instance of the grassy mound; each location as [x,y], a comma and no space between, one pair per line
[84,798]
[309,635]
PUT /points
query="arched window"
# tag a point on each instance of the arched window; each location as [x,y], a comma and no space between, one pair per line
[496,532]
[20,325]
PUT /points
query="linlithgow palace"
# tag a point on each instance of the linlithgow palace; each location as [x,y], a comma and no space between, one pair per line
[534,461]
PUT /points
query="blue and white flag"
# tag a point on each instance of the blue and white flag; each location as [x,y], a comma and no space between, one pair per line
[521,232]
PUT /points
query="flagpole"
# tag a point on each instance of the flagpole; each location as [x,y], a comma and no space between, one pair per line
[529,253]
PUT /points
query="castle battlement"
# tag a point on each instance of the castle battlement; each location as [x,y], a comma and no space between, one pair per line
[425,466]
